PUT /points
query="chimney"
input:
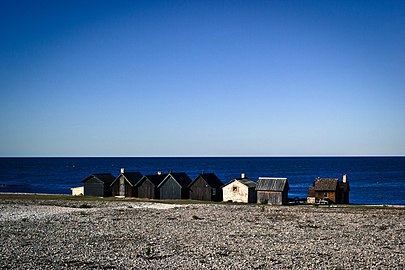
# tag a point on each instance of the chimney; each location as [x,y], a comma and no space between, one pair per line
[344,178]
[243,175]
[122,170]
[159,173]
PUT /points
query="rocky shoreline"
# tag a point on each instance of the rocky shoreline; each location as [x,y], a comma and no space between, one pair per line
[36,234]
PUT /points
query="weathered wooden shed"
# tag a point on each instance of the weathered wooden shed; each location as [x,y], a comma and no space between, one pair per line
[174,186]
[240,190]
[98,185]
[272,190]
[206,187]
[124,184]
[329,190]
[147,187]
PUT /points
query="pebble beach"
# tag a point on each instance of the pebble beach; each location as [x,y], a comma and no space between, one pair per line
[62,234]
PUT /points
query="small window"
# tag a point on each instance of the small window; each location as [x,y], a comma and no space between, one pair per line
[214,191]
[235,189]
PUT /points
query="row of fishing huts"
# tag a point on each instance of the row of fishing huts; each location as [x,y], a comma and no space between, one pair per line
[207,187]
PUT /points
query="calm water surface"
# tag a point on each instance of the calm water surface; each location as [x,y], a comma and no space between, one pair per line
[373,180]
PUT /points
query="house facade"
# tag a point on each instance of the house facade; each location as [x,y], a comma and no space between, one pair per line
[329,190]
[240,190]
[174,186]
[124,184]
[272,190]
[206,187]
[98,185]
[147,187]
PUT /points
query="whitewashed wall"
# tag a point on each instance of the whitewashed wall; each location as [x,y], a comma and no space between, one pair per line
[236,192]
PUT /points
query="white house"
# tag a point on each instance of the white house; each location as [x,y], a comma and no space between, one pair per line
[240,190]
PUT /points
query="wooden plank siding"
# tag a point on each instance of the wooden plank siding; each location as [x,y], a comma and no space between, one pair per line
[171,190]
[95,186]
[326,195]
[175,186]
[122,188]
[272,197]
[201,190]
[147,189]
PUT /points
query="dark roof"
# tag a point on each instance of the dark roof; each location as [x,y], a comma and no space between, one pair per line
[325,184]
[107,178]
[181,178]
[246,181]
[272,184]
[156,179]
[311,192]
[211,179]
[132,177]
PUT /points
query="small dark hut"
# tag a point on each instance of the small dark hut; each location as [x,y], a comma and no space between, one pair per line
[206,187]
[98,185]
[272,190]
[147,187]
[124,184]
[329,190]
[174,186]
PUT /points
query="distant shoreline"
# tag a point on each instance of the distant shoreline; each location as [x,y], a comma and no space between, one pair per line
[48,196]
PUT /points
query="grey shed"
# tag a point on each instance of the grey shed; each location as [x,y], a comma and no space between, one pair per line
[272,190]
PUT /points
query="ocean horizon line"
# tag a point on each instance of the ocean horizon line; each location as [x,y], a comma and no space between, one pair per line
[207,156]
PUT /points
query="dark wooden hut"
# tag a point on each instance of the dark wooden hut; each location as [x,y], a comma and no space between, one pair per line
[124,184]
[272,190]
[206,187]
[174,186]
[98,185]
[329,190]
[147,187]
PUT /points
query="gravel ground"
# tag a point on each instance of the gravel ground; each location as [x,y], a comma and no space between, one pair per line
[136,235]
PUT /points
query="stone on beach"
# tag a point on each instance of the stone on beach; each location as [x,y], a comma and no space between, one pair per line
[140,235]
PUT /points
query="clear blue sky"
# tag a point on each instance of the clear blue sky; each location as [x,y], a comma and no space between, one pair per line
[202,78]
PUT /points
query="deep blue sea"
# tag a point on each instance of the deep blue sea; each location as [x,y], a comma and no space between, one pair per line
[373,180]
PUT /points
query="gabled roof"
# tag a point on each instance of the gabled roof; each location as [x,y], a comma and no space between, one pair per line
[156,179]
[211,179]
[181,178]
[107,178]
[272,184]
[325,184]
[131,177]
[246,181]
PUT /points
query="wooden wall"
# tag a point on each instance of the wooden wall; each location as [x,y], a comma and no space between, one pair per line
[329,195]
[147,190]
[272,197]
[200,190]
[116,188]
[171,190]
[97,188]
